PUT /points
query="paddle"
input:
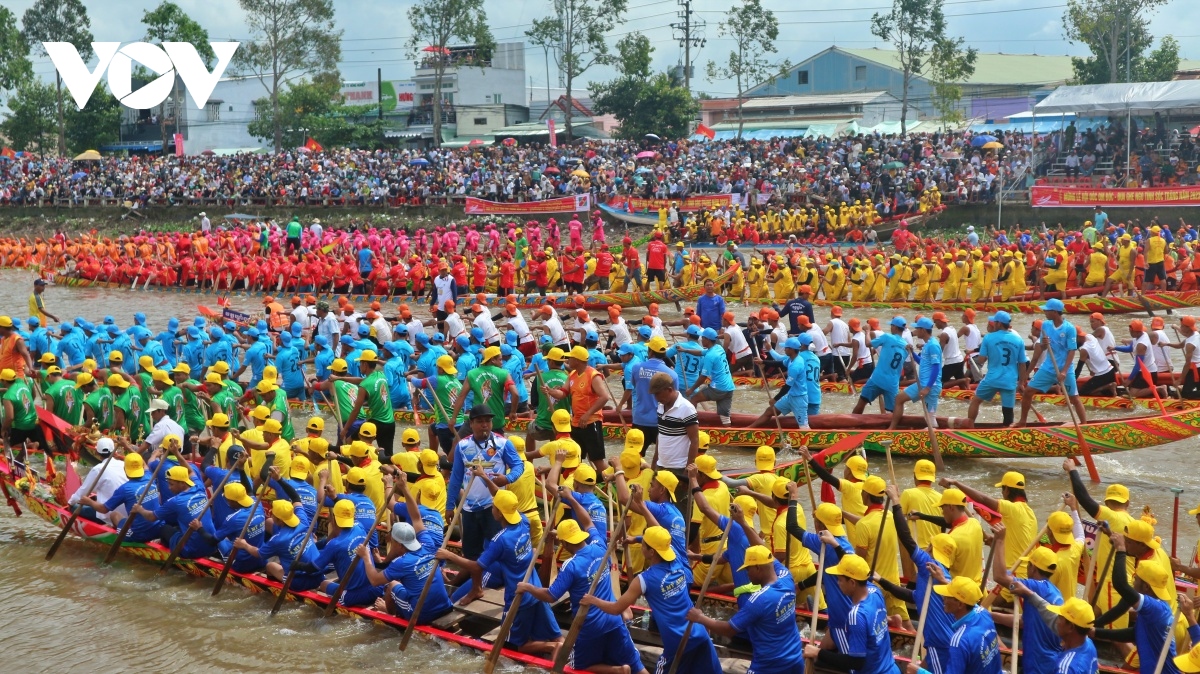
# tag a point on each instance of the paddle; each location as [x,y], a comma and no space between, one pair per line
[287,582]
[887,507]
[920,639]
[100,471]
[991,598]
[564,651]
[1089,578]
[514,607]
[345,579]
[1175,519]
[412,622]
[112,551]
[762,372]
[1083,444]
[687,630]
[1162,652]
[233,553]
[930,426]
[187,531]
[811,663]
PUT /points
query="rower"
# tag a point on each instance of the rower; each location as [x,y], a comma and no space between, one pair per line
[549,383]
[885,378]
[953,373]
[509,552]
[177,513]
[794,400]
[716,495]
[503,466]
[928,387]
[715,383]
[1141,381]
[922,498]
[582,485]
[1114,511]
[1015,513]
[791,553]
[1060,340]
[363,455]
[127,494]
[645,407]
[233,529]
[974,646]
[445,388]
[830,535]
[1039,642]
[297,480]
[373,393]
[659,511]
[868,534]
[863,645]
[664,584]
[345,536]
[409,464]
[608,646]
[1103,379]
[964,529]
[849,484]
[220,438]
[1071,623]
[1004,352]
[411,551]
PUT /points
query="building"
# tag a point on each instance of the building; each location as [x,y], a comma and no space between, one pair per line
[581,114]
[781,116]
[221,126]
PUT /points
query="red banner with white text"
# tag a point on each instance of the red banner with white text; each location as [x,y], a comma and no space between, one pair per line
[1047,196]
[579,202]
[693,203]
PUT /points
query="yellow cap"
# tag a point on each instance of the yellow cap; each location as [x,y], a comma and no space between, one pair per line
[429,461]
[284,513]
[182,368]
[1142,532]
[707,466]
[874,485]
[852,566]
[635,439]
[757,555]
[925,470]
[506,502]
[631,462]
[358,449]
[657,344]
[300,468]
[857,466]
[764,458]
[561,420]
[1194,511]
[961,588]
[1043,558]
[317,446]
[1061,527]
[260,412]
[135,467]
[953,497]
[213,378]
[116,357]
[1117,492]
[49,358]
[572,459]
[1079,612]
[944,548]
[180,474]
[356,476]
[316,424]
[339,365]
[117,380]
[410,436]
[556,354]
[584,474]
[367,430]
[1188,663]
[1013,480]
[1159,579]
[220,367]
[236,492]
[161,376]
[659,540]
[368,356]
[580,353]
[83,379]
[172,440]
[569,532]
[490,353]
[266,386]
[748,504]
[704,440]
[7,374]
[669,482]
[272,426]
[831,516]
[218,420]
[343,513]
[779,488]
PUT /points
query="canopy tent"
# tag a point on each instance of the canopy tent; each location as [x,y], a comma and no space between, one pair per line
[1139,98]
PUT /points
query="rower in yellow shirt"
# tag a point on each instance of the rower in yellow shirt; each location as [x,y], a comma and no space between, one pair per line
[1097,268]
[876,529]
[782,280]
[1018,518]
[850,485]
[922,498]
[833,283]
[1156,248]
[964,529]
[704,475]
[953,290]
[920,283]
[1122,276]
[757,279]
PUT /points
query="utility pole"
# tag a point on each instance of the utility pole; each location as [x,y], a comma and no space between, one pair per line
[690,33]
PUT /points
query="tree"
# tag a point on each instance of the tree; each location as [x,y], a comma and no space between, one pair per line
[915,28]
[753,29]
[1161,64]
[291,39]
[576,33]
[58,21]
[643,104]
[434,23]
[1117,32]
[97,124]
[169,23]
[30,124]
[949,64]
[15,67]
[313,109]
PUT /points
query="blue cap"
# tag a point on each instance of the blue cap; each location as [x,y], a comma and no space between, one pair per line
[193,333]
[463,341]
[109,320]
[591,336]
[545,340]
[80,321]
[230,326]
[709,333]
[198,321]
[401,329]
[477,334]
[139,318]
[1001,317]
[925,323]
[216,332]
[793,343]
[511,338]
[438,337]
[34,322]
[1054,304]
[506,351]
[364,329]
[422,339]
[113,330]
[297,329]
[394,346]
[805,340]
[67,327]
[693,330]
[172,323]
[321,340]
[346,339]
[285,338]
[645,332]
[261,325]
[625,350]
[899,322]
[252,333]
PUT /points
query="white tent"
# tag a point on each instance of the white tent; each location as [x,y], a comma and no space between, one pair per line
[1141,98]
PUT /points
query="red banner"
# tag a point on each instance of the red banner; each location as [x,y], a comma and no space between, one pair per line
[1046,196]
[694,203]
[579,202]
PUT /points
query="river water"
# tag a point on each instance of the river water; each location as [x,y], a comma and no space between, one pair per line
[74,614]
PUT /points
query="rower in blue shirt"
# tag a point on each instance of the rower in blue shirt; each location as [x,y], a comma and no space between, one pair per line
[289,541]
[591,342]
[340,550]
[141,530]
[243,509]
[767,618]
[1039,641]
[645,407]
[812,369]
[1059,342]
[687,363]
[885,378]
[793,397]
[186,506]
[928,387]
[741,538]
[974,647]
[831,534]
[323,358]
[393,372]
[364,507]
[1004,352]
[1071,623]
[219,349]
[607,642]
[166,340]
[863,646]
[514,361]
[715,382]
[664,583]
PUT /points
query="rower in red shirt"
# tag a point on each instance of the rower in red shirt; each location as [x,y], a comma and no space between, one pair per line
[656,260]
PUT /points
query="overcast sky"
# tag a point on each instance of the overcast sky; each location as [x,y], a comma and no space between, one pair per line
[375,31]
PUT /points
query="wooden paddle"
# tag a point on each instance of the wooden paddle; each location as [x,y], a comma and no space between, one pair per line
[811,663]
[233,553]
[920,639]
[187,530]
[79,507]
[1094,593]
[287,582]
[1162,652]
[564,651]
[112,551]
[412,622]
[1016,633]
[345,579]
[1083,444]
[514,607]
[687,630]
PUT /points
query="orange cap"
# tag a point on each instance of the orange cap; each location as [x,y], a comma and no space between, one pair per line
[296,299]
[376,306]
[835,311]
[545,310]
[873,322]
[646,320]
[969,313]
[579,299]
[1137,325]
[728,315]
[449,305]
[481,298]
[511,309]
[688,311]
[854,324]
[1189,321]
[1097,317]
[803,321]
[653,309]
[806,289]
[694,319]
[1037,323]
[1157,323]
[939,316]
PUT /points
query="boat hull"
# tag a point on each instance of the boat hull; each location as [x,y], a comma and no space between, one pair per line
[1159,301]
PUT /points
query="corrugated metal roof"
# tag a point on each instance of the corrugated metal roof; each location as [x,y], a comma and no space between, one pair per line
[992,68]
[813,100]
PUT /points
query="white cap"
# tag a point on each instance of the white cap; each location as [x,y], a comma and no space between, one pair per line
[404,534]
[202,214]
[105,446]
[158,404]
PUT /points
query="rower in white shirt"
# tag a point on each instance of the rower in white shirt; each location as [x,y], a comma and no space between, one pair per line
[553,325]
[1103,380]
[483,321]
[526,342]
[838,334]
[99,483]
[953,372]
[454,323]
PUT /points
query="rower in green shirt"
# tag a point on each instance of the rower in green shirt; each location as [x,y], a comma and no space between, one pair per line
[489,382]
[170,393]
[217,391]
[373,396]
[68,405]
[276,399]
[20,416]
[193,416]
[126,405]
[340,389]
[235,389]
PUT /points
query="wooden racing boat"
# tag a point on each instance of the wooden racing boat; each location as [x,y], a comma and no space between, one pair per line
[593,300]
[1031,304]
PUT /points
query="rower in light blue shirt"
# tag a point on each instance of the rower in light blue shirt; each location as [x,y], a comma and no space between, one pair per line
[885,378]
[928,387]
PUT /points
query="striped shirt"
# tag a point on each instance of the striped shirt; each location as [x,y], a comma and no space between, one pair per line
[673,442]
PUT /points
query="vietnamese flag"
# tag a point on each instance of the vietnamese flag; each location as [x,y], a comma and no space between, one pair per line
[313,145]
[705,131]
[8,153]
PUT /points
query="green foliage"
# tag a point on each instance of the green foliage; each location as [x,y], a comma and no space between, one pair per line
[169,23]
[917,29]
[314,109]
[577,34]
[753,29]
[30,124]
[1117,32]
[58,21]
[291,39]
[15,67]
[1161,64]
[96,125]
[434,23]
[642,103]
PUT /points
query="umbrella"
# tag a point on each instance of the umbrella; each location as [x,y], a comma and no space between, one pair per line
[645,170]
[551,169]
[436,50]
[208,153]
[303,150]
[646,154]
[581,173]
[78,174]
[90,155]
[653,136]
[893,165]
[476,142]
[510,141]
[994,145]
[980,141]
[419,161]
